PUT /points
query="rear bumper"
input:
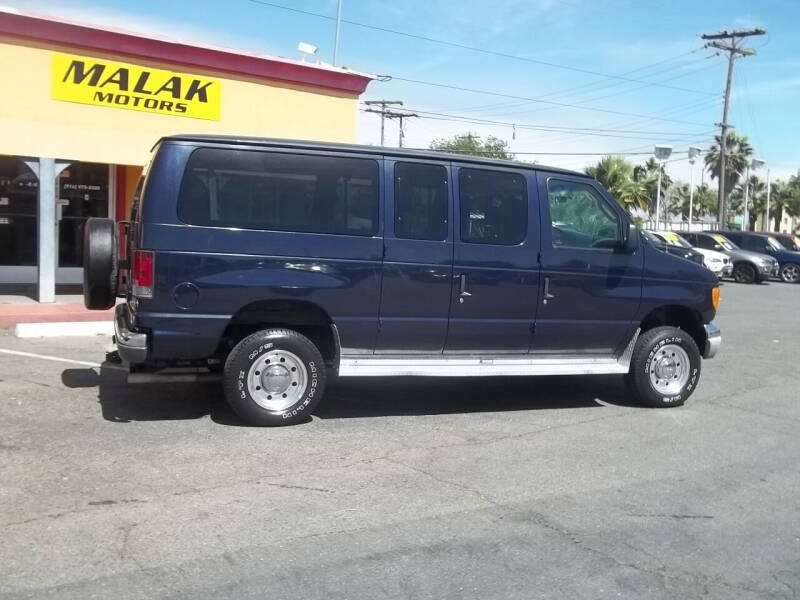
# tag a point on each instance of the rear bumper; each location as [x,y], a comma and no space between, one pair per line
[132,346]
[713,340]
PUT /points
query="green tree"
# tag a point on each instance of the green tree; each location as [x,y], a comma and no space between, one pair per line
[616,175]
[756,202]
[784,198]
[648,175]
[680,197]
[705,200]
[469,143]
[738,152]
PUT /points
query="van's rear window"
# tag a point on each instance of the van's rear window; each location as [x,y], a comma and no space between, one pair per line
[280,192]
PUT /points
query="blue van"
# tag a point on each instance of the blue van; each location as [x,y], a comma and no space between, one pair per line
[275,263]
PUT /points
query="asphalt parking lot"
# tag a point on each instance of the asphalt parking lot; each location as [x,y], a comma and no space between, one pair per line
[484,488]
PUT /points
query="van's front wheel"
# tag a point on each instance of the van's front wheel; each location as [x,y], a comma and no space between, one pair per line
[274,377]
[665,367]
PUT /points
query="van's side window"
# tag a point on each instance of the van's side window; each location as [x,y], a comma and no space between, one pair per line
[420,201]
[280,192]
[580,217]
[494,207]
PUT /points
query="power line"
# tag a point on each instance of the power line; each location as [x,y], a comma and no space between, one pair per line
[466,46]
[440,116]
[596,85]
[618,93]
[513,96]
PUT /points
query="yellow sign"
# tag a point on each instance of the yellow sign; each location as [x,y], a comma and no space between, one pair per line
[133,87]
[671,237]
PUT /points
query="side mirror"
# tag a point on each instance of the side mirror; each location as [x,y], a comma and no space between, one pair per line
[630,238]
[718,247]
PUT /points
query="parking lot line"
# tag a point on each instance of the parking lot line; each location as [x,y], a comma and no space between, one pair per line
[48,357]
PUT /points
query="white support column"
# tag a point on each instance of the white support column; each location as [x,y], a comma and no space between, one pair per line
[46,271]
[46,170]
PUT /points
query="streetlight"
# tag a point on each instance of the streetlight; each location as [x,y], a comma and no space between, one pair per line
[662,153]
[307,49]
[694,152]
[753,164]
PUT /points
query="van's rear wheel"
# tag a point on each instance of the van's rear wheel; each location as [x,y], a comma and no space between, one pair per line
[100,263]
[274,377]
[665,367]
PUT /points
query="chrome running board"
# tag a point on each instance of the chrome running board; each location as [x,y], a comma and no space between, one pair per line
[466,366]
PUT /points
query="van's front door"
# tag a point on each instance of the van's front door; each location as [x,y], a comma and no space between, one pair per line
[591,291]
[495,269]
[418,258]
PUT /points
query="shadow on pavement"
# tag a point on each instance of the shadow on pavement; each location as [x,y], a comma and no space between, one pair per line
[353,398]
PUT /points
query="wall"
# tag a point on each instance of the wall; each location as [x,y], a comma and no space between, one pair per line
[33,124]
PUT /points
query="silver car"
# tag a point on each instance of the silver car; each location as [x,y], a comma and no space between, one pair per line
[748,267]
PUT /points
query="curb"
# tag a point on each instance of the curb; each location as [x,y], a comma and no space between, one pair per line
[63,329]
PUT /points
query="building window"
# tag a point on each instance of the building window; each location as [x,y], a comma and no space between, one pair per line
[19,192]
[420,201]
[494,207]
[280,192]
[82,193]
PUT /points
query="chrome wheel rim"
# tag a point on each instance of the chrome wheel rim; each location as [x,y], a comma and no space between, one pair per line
[791,273]
[277,380]
[669,370]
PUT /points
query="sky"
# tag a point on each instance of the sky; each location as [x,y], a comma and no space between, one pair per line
[626,74]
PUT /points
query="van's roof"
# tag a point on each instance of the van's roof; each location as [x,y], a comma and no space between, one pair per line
[358,148]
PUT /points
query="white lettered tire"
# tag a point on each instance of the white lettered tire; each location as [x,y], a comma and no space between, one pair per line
[665,367]
[274,377]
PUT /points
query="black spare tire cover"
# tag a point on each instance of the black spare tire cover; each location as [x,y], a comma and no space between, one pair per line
[100,266]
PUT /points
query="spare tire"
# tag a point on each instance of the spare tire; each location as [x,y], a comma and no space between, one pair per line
[100,263]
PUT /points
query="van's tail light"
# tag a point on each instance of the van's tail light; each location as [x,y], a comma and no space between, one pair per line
[143,273]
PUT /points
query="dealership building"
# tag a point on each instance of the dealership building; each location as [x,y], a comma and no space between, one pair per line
[82,107]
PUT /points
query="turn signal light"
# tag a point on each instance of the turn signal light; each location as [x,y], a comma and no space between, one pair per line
[715,298]
[143,273]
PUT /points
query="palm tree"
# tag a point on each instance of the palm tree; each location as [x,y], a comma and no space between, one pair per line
[705,200]
[756,203]
[680,194]
[616,175]
[648,174]
[738,152]
[784,197]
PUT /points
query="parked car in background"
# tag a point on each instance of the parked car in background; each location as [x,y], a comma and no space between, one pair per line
[678,250]
[788,241]
[270,262]
[718,262]
[788,260]
[748,267]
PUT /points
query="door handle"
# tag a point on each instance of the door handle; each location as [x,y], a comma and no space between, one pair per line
[547,294]
[463,293]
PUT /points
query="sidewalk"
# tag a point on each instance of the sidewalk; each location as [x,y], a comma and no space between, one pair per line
[66,309]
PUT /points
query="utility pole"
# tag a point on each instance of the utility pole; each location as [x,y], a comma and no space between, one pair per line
[382,111]
[730,42]
[400,117]
[387,113]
